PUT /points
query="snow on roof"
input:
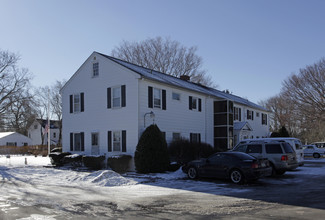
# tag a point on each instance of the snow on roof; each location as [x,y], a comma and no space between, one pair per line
[5,134]
[171,80]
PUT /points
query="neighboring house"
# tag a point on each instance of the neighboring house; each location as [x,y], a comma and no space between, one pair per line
[14,139]
[37,131]
[107,104]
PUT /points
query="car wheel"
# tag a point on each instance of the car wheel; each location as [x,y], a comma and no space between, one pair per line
[236,176]
[274,172]
[192,173]
[316,155]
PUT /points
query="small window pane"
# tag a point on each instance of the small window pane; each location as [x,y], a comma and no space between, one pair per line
[94,139]
[95,69]
[117,97]
[76,102]
[194,103]
[77,141]
[157,98]
[176,136]
[116,141]
[176,96]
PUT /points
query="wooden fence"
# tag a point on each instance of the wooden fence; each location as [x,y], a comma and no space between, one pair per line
[33,150]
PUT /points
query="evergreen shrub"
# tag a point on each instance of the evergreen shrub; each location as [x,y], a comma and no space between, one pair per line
[183,151]
[93,162]
[119,163]
[151,155]
[57,158]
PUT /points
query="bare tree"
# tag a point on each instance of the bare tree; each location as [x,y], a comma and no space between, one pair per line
[306,91]
[50,97]
[13,84]
[56,104]
[21,114]
[166,56]
[300,106]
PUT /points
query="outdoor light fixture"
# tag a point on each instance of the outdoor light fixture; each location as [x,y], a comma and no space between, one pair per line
[152,115]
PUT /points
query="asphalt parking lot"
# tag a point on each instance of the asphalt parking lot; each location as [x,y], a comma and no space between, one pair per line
[295,195]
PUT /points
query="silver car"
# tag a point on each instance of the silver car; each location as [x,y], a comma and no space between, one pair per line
[280,154]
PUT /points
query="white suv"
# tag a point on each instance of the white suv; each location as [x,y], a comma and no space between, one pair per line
[280,154]
[294,142]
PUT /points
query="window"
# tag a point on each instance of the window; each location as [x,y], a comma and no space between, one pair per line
[94,139]
[237,115]
[116,97]
[254,148]
[250,115]
[264,119]
[195,103]
[116,141]
[54,134]
[11,144]
[35,126]
[156,98]
[273,149]
[176,136]
[77,103]
[95,69]
[176,96]
[77,141]
[287,148]
[195,137]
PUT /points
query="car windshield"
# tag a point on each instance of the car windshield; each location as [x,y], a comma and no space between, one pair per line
[287,148]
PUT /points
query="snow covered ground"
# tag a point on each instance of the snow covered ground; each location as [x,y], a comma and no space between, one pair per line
[31,189]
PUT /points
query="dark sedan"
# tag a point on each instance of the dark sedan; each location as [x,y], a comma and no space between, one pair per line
[236,166]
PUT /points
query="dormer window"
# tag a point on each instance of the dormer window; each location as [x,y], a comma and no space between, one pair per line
[95,69]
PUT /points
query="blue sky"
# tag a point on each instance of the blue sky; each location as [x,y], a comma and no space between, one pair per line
[248,47]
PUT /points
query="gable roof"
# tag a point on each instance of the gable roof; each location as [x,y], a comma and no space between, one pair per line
[240,125]
[5,134]
[171,80]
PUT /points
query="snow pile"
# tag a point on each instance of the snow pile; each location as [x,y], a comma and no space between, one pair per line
[107,178]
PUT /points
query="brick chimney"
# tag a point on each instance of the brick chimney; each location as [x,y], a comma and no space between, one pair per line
[185,77]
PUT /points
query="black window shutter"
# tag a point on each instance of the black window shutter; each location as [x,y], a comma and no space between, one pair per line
[164,99]
[71,103]
[109,141]
[239,112]
[199,134]
[82,103]
[123,96]
[150,98]
[190,102]
[200,103]
[123,141]
[82,142]
[71,141]
[109,97]
[252,115]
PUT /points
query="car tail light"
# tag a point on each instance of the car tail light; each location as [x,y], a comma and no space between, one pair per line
[254,165]
[284,158]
